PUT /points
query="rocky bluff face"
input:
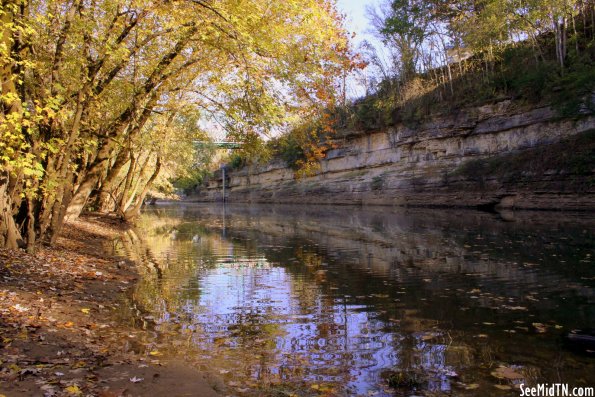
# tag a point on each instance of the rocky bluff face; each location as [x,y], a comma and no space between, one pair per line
[450,160]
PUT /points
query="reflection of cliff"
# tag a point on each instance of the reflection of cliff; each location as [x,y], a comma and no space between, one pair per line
[396,243]
[427,252]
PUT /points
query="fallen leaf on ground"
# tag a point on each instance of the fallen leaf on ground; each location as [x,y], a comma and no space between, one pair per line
[74,390]
[503,387]
[540,328]
[506,373]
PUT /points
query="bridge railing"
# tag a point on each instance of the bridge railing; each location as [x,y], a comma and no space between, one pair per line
[219,144]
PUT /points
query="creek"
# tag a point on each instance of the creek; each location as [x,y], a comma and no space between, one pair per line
[331,300]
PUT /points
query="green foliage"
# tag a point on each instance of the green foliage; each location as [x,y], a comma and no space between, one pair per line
[236,161]
[187,183]
[521,76]
[445,55]
[306,143]
[188,151]
[289,149]
[515,74]
[406,27]
[572,92]
[368,113]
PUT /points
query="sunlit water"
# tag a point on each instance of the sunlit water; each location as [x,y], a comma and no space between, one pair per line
[286,300]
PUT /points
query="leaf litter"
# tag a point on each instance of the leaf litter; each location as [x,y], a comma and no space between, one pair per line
[58,336]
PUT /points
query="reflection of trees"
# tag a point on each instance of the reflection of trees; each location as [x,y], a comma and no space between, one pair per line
[150,247]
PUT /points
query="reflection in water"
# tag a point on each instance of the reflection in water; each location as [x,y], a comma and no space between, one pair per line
[343,301]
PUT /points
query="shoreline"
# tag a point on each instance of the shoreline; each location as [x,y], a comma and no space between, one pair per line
[490,207]
[57,322]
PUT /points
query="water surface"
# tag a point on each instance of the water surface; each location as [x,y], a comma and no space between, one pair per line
[289,300]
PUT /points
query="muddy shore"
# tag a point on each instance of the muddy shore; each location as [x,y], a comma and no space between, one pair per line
[58,336]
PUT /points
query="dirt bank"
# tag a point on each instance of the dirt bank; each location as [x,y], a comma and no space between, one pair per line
[57,331]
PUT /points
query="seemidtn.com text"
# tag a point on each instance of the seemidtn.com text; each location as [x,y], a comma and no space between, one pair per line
[556,390]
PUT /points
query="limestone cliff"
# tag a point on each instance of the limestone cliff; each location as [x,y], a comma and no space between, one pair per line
[494,155]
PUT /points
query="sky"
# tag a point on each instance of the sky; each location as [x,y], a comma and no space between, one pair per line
[356,20]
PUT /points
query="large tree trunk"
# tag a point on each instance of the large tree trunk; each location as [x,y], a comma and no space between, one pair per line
[128,183]
[130,191]
[10,237]
[133,212]
[101,161]
[59,210]
[106,204]
[93,175]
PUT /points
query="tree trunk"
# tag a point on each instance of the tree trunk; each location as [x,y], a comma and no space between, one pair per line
[576,38]
[105,194]
[60,208]
[10,237]
[31,237]
[132,191]
[452,91]
[101,161]
[128,183]
[93,175]
[560,40]
[133,212]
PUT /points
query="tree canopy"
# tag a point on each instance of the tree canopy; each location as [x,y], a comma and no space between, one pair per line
[100,97]
[440,55]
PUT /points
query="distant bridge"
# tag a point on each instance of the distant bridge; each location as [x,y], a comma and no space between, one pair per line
[219,144]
